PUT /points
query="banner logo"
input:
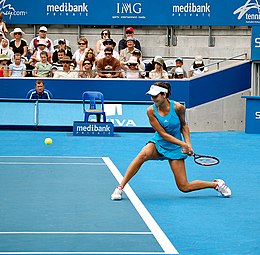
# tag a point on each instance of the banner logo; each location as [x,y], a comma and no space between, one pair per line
[250,10]
[191,10]
[67,9]
[9,11]
[129,11]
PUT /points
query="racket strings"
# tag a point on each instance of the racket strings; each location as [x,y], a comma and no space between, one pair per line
[207,161]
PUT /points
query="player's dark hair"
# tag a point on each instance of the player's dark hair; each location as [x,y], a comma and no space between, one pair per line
[165,85]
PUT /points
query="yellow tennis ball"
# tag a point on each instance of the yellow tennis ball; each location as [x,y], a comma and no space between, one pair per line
[48,141]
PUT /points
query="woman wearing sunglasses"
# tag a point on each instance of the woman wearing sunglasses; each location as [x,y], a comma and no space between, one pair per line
[105,34]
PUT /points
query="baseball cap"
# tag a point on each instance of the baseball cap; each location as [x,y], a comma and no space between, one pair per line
[43,28]
[179,59]
[137,52]
[179,71]
[130,39]
[129,29]
[198,60]
[155,90]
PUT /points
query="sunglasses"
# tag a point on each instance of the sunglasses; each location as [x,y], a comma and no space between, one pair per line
[65,62]
[17,33]
[43,31]
[81,44]
[87,63]
[129,32]
[104,33]
[107,54]
[90,52]
[132,64]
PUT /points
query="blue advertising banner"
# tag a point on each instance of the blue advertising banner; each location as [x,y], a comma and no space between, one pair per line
[129,12]
[255,43]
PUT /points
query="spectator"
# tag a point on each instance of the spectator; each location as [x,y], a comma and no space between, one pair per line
[3,28]
[109,43]
[42,36]
[138,54]
[150,66]
[178,63]
[1,37]
[17,69]
[198,68]
[87,71]
[105,34]
[129,32]
[42,68]
[133,71]
[4,70]
[80,52]
[42,46]
[58,65]
[39,92]
[108,67]
[18,44]
[179,73]
[66,71]
[126,53]
[90,56]
[62,46]
[158,72]
[4,49]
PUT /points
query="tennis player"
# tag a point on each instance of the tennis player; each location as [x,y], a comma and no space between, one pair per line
[167,117]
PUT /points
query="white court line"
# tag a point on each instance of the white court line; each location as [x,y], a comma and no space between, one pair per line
[75,233]
[72,252]
[47,157]
[50,163]
[162,239]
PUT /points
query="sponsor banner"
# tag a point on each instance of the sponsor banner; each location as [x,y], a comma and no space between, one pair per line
[81,128]
[129,12]
[255,43]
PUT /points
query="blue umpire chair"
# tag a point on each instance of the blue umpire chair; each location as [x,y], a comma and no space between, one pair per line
[93,104]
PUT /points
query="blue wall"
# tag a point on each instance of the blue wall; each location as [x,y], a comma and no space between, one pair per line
[193,92]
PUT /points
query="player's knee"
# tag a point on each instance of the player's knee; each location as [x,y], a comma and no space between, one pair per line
[143,156]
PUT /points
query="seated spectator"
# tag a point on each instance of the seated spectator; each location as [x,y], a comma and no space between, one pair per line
[158,72]
[178,63]
[109,43]
[42,36]
[17,69]
[138,54]
[39,92]
[90,56]
[132,71]
[105,34]
[108,67]
[150,66]
[18,44]
[66,71]
[126,53]
[42,46]
[1,37]
[3,28]
[4,49]
[58,65]
[178,73]
[80,52]
[87,71]
[4,69]
[62,46]
[198,68]
[129,32]
[42,68]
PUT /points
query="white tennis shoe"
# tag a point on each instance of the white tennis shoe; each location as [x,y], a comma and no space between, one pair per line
[117,194]
[222,188]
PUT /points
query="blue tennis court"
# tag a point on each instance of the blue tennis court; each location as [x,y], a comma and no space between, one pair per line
[56,199]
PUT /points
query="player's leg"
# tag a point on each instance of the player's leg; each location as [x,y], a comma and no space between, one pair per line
[147,153]
[179,171]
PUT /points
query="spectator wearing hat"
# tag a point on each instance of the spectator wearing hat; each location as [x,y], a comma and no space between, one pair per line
[87,71]
[109,43]
[62,45]
[108,67]
[42,46]
[126,53]
[158,72]
[42,36]
[129,32]
[138,54]
[91,57]
[5,49]
[3,28]
[178,63]
[105,34]
[198,68]
[18,44]
[4,69]
[17,69]
[178,73]
[133,70]
[150,66]
[80,52]
[39,92]
[66,71]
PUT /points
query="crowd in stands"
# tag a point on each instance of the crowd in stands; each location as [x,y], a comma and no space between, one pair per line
[44,58]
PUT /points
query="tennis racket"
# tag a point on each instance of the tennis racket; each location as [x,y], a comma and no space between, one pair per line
[205,160]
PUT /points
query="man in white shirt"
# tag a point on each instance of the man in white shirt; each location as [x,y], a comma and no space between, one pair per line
[66,72]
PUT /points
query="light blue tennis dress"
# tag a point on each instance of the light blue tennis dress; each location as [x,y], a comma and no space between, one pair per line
[171,123]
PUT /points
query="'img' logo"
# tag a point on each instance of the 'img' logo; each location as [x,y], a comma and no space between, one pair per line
[251,11]
[8,10]
[128,11]
[67,9]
